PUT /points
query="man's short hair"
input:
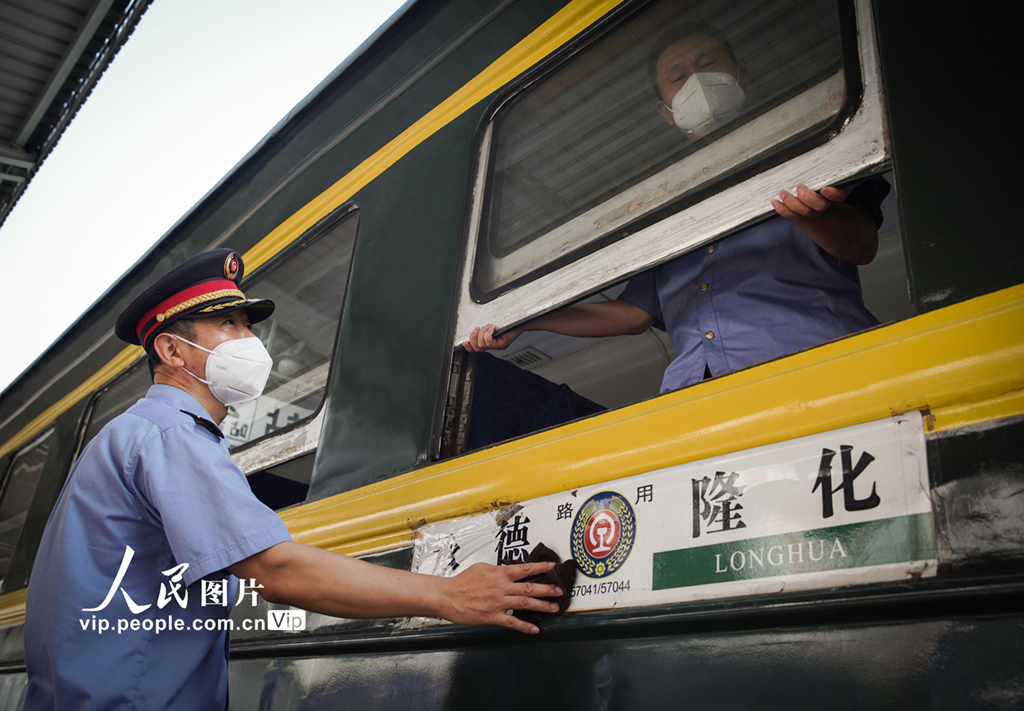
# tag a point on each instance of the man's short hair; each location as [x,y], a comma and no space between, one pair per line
[681,32]
[182,327]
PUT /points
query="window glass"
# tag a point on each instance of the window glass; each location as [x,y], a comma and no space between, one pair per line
[308,286]
[581,156]
[18,488]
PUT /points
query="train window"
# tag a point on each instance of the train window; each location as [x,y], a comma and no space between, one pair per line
[543,379]
[16,491]
[812,113]
[683,96]
[308,284]
[620,203]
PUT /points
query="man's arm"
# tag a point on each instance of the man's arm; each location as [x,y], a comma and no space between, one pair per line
[337,585]
[842,230]
[605,318]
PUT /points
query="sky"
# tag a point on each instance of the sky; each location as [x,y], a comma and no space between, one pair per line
[197,85]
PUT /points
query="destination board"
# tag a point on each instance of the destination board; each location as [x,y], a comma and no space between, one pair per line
[838,508]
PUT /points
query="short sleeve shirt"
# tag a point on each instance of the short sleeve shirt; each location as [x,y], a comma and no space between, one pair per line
[155,490]
[756,295]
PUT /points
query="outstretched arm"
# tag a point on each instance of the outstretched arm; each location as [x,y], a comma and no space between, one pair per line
[337,585]
[842,230]
[606,318]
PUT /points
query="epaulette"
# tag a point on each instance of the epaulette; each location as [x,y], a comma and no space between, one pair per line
[205,423]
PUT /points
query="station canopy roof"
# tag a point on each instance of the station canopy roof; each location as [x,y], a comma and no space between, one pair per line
[52,53]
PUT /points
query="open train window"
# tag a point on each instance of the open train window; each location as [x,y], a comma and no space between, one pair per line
[584,179]
[588,153]
[593,175]
[16,492]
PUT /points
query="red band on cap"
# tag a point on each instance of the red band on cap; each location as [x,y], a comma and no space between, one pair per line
[180,298]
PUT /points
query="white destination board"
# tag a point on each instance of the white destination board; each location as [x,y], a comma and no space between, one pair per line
[838,508]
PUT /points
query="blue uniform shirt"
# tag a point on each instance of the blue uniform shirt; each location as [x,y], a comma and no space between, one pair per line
[160,483]
[759,294]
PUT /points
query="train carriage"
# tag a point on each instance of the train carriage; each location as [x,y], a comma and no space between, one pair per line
[840,525]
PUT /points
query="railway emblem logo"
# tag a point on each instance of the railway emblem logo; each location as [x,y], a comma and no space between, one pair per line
[603,534]
[231,266]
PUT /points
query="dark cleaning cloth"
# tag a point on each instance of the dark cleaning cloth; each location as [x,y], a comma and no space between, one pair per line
[563,575]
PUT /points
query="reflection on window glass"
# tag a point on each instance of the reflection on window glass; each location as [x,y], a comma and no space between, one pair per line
[308,288]
[121,394]
[18,488]
[588,150]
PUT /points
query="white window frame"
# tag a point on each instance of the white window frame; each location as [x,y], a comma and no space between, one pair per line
[861,146]
[280,448]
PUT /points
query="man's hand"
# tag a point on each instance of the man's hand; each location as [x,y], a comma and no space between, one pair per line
[842,230]
[486,594]
[483,339]
[806,204]
[336,585]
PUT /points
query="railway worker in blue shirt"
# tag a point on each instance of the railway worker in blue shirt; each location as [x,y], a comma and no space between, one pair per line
[782,285]
[138,561]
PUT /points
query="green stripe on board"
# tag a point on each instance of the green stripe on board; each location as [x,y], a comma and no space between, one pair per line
[856,545]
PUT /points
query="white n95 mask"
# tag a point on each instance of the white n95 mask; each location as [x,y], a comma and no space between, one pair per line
[706,101]
[236,370]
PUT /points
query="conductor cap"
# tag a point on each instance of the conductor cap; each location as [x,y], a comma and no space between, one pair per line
[205,285]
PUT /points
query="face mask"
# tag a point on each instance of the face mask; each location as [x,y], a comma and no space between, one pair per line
[706,101]
[236,370]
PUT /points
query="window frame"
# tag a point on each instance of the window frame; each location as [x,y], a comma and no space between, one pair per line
[855,144]
[303,436]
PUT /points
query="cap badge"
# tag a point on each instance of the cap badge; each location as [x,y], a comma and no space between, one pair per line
[231,266]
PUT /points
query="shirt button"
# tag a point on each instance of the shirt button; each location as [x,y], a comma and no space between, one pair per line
[709,335]
[711,249]
[704,286]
